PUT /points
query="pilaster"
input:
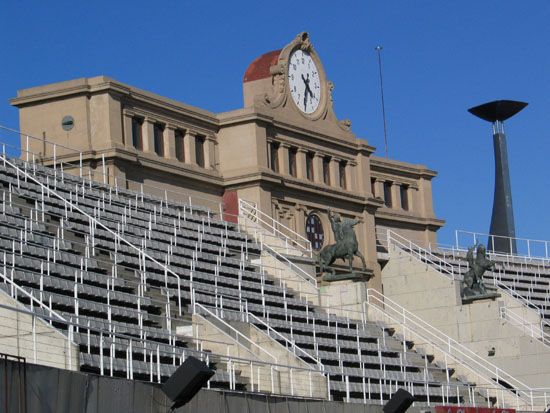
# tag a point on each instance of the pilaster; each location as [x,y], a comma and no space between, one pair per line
[351,169]
[148,135]
[396,196]
[334,172]
[170,142]
[379,186]
[127,120]
[301,164]
[283,159]
[189,148]
[318,168]
[209,152]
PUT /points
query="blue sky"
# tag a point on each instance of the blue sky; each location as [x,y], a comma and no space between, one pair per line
[439,58]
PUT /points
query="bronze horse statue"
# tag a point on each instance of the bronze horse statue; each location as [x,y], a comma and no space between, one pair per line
[346,246]
[472,283]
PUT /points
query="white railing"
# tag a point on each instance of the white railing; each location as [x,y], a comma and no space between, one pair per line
[440,264]
[423,255]
[15,290]
[295,269]
[535,330]
[236,335]
[62,156]
[72,207]
[111,344]
[263,222]
[246,316]
[477,365]
[526,248]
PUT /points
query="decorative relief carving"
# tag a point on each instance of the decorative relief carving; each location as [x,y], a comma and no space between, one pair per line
[278,96]
[305,43]
[345,124]
[330,89]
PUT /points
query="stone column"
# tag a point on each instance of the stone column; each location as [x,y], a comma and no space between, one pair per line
[413,196]
[209,152]
[396,196]
[127,120]
[334,172]
[300,219]
[283,159]
[301,164]
[189,148]
[318,168]
[351,169]
[169,142]
[148,135]
[379,188]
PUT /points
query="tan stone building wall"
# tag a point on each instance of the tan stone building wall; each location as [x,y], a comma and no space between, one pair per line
[287,161]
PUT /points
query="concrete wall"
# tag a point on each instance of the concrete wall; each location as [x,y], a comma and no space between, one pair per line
[344,298]
[48,347]
[436,299]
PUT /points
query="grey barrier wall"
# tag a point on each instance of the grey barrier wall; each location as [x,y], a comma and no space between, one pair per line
[40,389]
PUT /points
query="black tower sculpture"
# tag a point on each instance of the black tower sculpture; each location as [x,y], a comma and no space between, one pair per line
[502,219]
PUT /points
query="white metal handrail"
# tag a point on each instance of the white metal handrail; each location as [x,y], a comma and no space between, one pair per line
[530,244]
[291,266]
[292,344]
[31,297]
[496,277]
[478,365]
[176,195]
[423,255]
[449,392]
[248,210]
[533,329]
[97,222]
[122,343]
[515,294]
[237,333]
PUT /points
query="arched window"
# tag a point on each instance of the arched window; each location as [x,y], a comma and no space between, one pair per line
[314,232]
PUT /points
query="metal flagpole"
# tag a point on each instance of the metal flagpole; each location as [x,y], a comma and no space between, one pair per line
[379,50]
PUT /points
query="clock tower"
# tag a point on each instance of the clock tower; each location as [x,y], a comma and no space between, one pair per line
[292,82]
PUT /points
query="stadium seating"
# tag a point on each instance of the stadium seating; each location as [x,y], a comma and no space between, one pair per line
[127,268]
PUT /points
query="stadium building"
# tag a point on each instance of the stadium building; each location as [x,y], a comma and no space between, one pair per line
[137,231]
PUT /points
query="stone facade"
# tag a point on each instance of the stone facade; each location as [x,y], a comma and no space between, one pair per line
[287,162]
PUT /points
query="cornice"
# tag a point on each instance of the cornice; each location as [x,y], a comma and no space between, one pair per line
[392,215]
[172,166]
[392,166]
[99,84]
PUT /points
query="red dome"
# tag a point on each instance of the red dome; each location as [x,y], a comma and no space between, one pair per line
[259,68]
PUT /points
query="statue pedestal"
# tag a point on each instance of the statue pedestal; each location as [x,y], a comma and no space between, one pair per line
[488,296]
[345,297]
[351,276]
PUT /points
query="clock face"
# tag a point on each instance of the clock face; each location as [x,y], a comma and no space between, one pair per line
[304,81]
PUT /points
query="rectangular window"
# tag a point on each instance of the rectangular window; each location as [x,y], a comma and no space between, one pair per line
[309,165]
[137,138]
[158,137]
[326,170]
[342,173]
[404,197]
[180,148]
[274,156]
[387,193]
[292,152]
[373,186]
[199,150]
